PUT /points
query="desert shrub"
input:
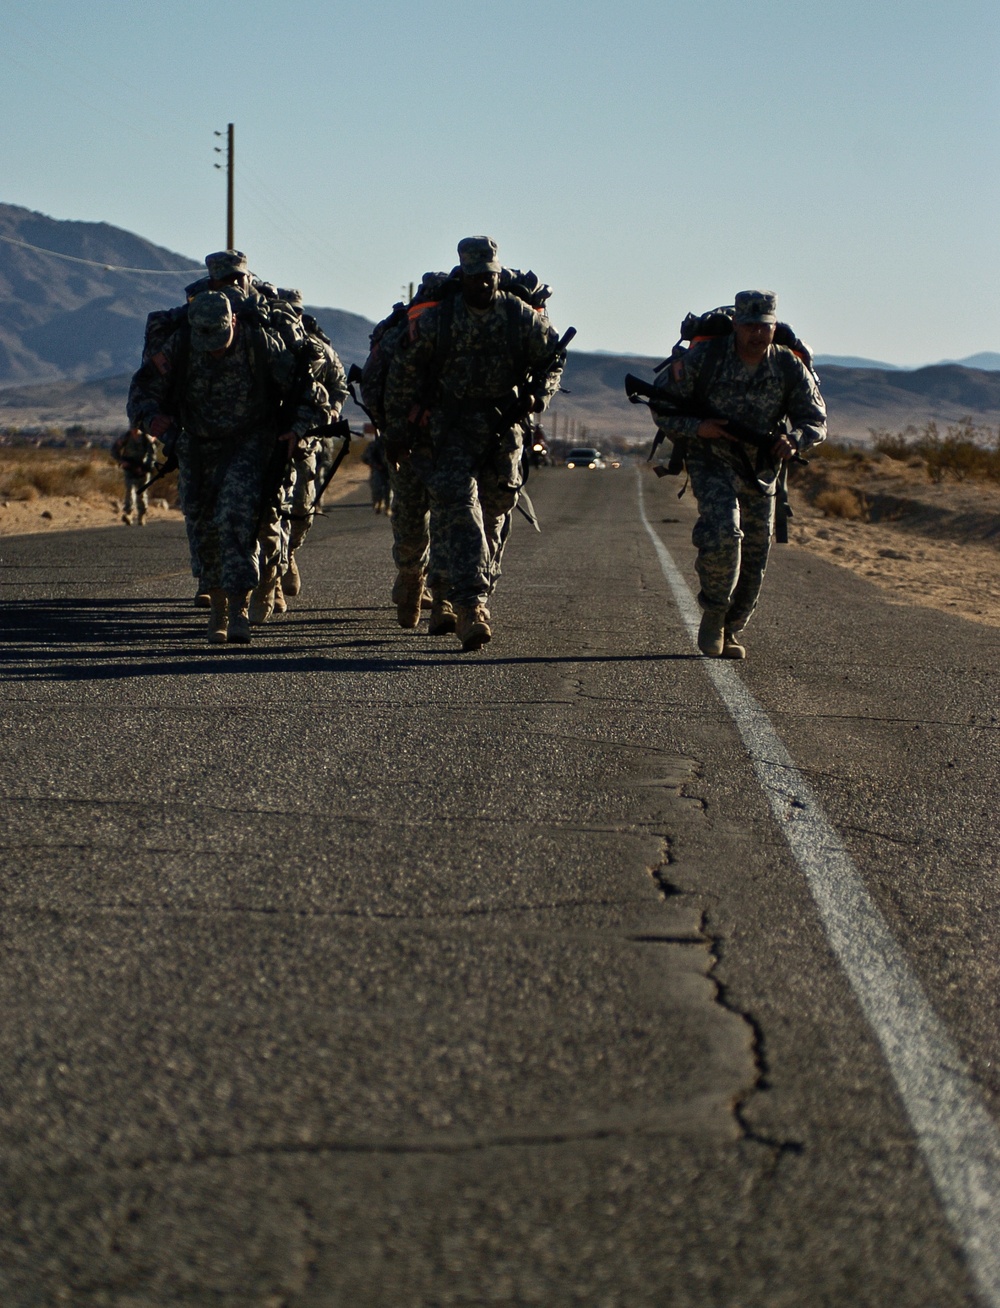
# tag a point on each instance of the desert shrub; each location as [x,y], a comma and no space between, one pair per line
[839,502]
[833,452]
[965,450]
[29,473]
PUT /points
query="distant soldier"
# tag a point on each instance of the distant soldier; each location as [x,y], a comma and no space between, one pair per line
[288,518]
[231,391]
[378,474]
[746,378]
[135,452]
[450,398]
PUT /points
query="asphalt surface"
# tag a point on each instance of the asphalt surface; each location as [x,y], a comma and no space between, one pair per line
[347,969]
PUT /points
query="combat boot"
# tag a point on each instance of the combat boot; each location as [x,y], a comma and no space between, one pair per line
[239,617]
[262,597]
[218,619]
[472,626]
[443,620]
[731,646]
[291,582]
[711,633]
[127,519]
[141,520]
[280,604]
[202,599]
[407,594]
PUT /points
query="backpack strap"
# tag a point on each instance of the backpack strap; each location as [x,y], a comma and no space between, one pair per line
[715,353]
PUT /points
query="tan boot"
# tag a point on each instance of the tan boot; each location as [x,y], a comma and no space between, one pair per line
[443,620]
[407,593]
[202,599]
[239,617]
[472,626]
[218,618]
[710,633]
[280,604]
[291,582]
[262,598]
[732,648]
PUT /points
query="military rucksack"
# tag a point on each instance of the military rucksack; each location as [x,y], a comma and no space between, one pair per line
[435,288]
[164,324]
[698,327]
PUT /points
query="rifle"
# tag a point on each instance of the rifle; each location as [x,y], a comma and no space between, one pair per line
[516,412]
[643,392]
[169,442]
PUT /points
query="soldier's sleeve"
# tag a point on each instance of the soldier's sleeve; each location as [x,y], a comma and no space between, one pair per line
[675,387]
[542,341]
[149,390]
[805,407]
[335,381]
[312,405]
[407,376]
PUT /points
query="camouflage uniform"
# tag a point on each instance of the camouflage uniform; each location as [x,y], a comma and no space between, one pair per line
[291,515]
[378,474]
[416,531]
[227,411]
[734,486]
[136,454]
[462,365]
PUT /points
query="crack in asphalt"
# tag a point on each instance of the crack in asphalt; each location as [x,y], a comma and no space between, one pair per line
[471,911]
[704,938]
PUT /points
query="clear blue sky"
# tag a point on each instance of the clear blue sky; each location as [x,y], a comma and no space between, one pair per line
[645,158]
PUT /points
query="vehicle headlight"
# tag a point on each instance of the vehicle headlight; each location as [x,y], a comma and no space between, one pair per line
[570,465]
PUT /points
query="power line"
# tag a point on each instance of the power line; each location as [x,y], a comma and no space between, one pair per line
[108,267]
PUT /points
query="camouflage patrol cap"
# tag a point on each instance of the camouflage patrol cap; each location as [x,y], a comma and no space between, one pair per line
[478,254]
[210,316]
[290,296]
[756,306]
[226,263]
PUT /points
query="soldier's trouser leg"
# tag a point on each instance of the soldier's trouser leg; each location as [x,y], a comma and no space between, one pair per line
[732,536]
[498,484]
[457,518]
[303,490]
[757,523]
[198,466]
[411,535]
[237,512]
[131,504]
[269,540]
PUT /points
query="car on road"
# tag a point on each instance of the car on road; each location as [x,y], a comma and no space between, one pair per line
[585,456]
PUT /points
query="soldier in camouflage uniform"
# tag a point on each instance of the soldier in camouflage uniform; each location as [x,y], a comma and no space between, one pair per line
[291,514]
[746,378]
[221,382]
[136,455]
[464,364]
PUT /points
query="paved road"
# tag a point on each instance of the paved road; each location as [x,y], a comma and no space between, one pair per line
[351,970]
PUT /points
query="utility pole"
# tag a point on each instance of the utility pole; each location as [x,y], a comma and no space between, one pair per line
[230,169]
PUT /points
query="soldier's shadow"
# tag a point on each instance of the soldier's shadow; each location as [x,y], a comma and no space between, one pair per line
[118,639]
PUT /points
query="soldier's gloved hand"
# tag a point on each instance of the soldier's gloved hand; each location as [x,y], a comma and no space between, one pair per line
[396,451]
[713,429]
[784,449]
[291,442]
[160,424]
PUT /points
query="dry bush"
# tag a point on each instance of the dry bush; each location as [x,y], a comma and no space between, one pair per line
[964,451]
[833,452]
[26,474]
[839,502]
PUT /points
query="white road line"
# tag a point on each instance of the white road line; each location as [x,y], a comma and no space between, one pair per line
[958,1138]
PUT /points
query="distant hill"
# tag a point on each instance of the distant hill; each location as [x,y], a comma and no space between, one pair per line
[989,361]
[79,318]
[71,333]
[850,361]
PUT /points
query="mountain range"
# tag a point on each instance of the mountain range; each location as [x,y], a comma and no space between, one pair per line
[74,298]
